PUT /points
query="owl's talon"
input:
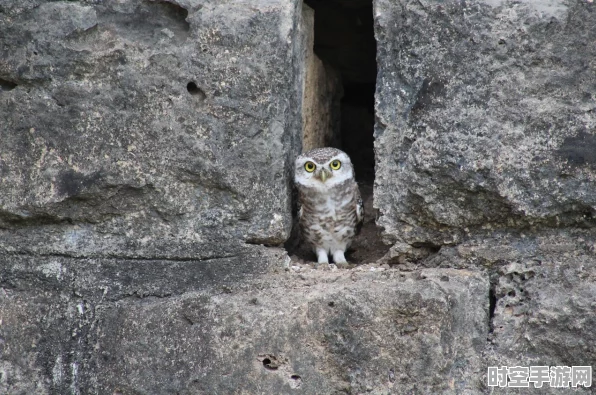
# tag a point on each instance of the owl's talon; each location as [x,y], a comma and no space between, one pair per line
[339,259]
[322,256]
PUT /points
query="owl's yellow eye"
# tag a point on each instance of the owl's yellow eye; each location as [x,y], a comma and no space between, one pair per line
[335,165]
[309,167]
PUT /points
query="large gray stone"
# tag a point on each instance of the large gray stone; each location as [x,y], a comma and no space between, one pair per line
[485,159]
[145,146]
[148,129]
[48,306]
[485,117]
[321,333]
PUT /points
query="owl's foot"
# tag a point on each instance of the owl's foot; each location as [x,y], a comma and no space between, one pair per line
[322,256]
[339,259]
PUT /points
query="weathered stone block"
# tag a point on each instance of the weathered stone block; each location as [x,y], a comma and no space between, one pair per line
[546,304]
[148,129]
[355,332]
[484,117]
[48,308]
[543,297]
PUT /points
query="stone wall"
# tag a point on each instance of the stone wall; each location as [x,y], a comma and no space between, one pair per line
[484,118]
[485,161]
[146,152]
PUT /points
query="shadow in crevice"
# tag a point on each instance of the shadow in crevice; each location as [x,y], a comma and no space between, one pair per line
[344,39]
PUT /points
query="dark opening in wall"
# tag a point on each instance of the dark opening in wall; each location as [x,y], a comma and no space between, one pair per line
[344,42]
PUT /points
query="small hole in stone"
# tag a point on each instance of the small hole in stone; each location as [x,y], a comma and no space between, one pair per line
[194,90]
[267,364]
[295,381]
[6,85]
[331,304]
[511,293]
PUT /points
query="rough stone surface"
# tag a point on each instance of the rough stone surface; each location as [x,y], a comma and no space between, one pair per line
[543,296]
[49,309]
[484,159]
[148,128]
[144,147]
[340,332]
[145,157]
[485,117]
[35,340]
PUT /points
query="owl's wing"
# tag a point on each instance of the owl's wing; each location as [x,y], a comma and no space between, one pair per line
[359,211]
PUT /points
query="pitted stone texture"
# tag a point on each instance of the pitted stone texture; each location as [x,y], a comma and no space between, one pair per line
[147,129]
[335,332]
[48,309]
[546,303]
[485,117]
[40,342]
[544,288]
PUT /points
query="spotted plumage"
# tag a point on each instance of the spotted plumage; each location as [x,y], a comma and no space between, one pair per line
[331,209]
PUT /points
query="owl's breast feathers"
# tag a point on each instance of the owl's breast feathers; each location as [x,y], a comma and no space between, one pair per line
[332,210]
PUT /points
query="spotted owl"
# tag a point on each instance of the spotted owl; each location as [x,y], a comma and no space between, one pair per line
[330,207]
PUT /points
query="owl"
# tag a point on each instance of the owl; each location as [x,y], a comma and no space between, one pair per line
[330,207]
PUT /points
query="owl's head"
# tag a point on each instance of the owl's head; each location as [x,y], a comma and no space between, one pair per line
[323,168]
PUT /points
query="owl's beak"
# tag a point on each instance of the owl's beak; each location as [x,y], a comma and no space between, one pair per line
[324,174]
